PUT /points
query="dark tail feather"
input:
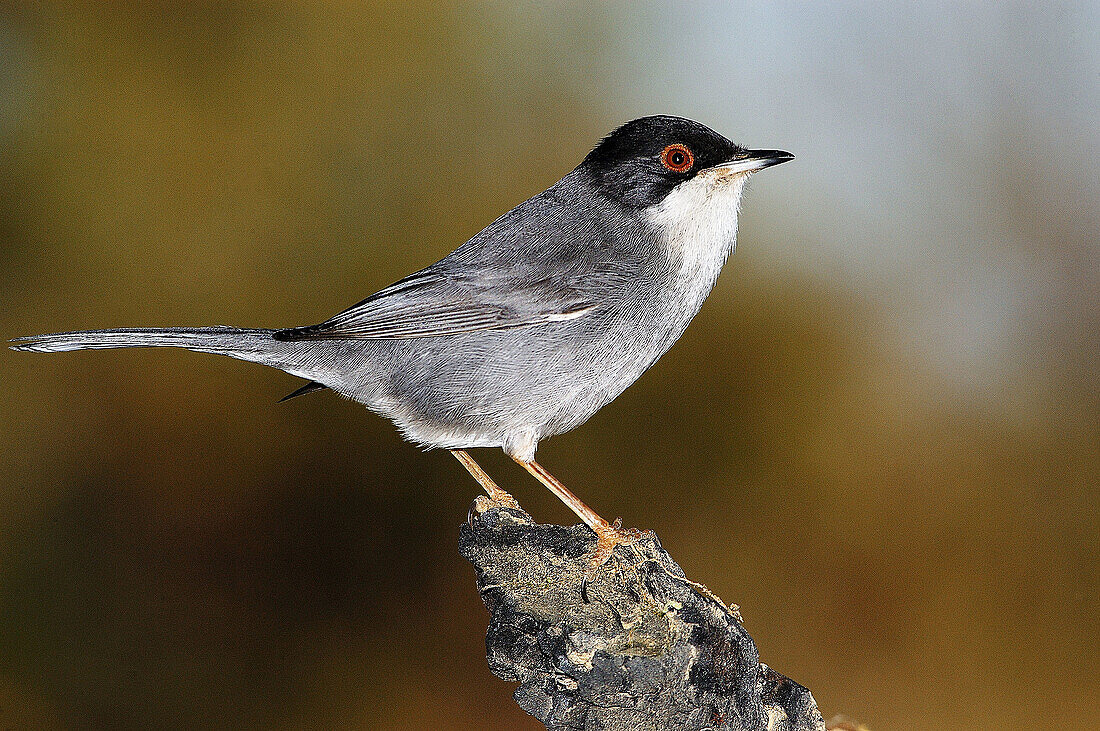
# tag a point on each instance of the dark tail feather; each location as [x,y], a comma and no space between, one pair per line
[308,388]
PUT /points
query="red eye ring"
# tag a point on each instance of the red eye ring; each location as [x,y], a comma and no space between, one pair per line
[677,158]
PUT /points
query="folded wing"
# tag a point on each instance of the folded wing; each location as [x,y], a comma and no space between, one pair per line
[432,303]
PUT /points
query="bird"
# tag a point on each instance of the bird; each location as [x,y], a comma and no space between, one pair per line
[534,324]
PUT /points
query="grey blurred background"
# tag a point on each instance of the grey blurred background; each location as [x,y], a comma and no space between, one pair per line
[881,436]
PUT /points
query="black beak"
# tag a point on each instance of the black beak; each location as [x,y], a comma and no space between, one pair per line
[754,160]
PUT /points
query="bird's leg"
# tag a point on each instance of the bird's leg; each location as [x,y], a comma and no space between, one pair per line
[608,535]
[496,494]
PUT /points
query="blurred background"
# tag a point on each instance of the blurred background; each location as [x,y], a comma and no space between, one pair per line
[880,437]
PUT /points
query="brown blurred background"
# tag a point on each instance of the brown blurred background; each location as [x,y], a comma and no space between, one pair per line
[880,436]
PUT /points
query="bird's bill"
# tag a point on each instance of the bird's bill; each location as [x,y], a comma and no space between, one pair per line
[754,160]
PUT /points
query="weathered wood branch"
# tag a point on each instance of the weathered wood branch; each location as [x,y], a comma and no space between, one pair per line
[635,647]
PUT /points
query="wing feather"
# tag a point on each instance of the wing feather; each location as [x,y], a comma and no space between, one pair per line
[429,304]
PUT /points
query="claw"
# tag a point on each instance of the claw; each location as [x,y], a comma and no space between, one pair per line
[496,494]
[610,535]
[502,498]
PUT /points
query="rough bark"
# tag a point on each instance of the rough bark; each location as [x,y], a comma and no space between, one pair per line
[633,646]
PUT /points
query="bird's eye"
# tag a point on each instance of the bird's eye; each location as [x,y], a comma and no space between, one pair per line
[677,158]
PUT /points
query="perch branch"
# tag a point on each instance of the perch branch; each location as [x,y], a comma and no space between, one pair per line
[633,646]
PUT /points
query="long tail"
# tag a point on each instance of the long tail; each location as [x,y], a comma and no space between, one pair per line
[205,339]
[253,345]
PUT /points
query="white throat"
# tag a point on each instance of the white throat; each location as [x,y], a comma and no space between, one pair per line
[698,221]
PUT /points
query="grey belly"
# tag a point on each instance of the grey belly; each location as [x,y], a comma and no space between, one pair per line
[482,388]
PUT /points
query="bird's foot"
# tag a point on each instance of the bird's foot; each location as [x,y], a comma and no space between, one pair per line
[495,499]
[502,498]
[497,496]
[609,535]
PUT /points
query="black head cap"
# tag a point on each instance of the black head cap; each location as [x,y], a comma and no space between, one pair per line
[642,161]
